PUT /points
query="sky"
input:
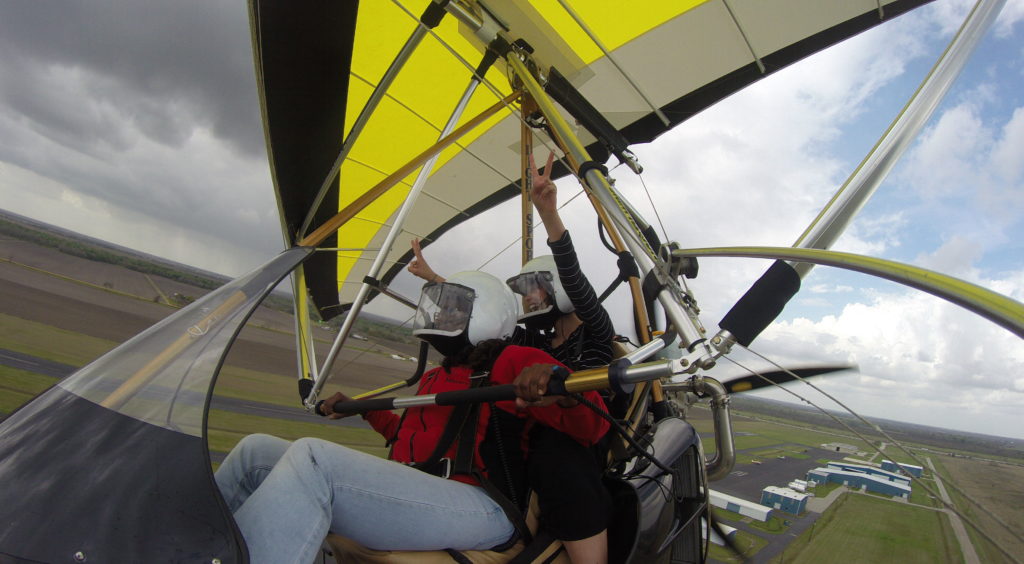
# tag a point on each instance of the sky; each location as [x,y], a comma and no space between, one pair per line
[138,123]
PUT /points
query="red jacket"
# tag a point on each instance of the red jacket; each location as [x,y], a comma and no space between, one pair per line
[415,439]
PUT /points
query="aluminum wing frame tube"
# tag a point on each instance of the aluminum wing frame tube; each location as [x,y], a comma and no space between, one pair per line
[687,329]
[862,184]
[364,116]
[306,359]
[378,262]
[1001,310]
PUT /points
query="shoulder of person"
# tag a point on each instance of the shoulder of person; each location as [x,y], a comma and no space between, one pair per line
[518,357]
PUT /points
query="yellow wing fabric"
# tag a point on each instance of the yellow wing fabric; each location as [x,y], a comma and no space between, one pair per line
[684,55]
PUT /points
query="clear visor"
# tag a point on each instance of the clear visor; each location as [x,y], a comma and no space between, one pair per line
[536,289]
[444,309]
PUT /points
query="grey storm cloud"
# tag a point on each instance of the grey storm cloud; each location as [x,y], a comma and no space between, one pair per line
[105,96]
[166,66]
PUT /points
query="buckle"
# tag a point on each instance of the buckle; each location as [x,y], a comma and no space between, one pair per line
[441,469]
[444,468]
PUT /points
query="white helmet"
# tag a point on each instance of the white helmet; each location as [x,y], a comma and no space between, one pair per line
[469,307]
[541,272]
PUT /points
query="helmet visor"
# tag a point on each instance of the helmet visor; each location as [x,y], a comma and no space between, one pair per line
[444,309]
[535,287]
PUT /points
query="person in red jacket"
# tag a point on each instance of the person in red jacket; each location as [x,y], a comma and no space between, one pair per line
[286,496]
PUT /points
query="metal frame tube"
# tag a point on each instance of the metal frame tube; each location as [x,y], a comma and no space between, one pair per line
[306,357]
[378,262]
[865,180]
[646,258]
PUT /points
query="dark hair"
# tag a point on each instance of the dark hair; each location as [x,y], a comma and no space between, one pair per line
[479,357]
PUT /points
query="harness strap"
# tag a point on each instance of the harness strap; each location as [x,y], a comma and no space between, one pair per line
[627,269]
[464,465]
[456,422]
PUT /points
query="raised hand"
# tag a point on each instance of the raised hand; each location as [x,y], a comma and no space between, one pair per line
[543,191]
[418,266]
[545,196]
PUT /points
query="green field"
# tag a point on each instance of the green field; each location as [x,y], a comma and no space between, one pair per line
[748,544]
[225,428]
[37,339]
[860,528]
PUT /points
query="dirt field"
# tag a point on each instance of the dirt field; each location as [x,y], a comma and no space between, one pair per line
[1000,489]
[266,343]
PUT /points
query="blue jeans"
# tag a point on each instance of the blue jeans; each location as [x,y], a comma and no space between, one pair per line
[286,496]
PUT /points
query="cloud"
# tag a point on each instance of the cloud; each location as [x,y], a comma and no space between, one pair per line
[151,108]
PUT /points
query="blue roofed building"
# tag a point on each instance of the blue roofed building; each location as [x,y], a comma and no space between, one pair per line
[872,470]
[784,499]
[912,469]
[854,479]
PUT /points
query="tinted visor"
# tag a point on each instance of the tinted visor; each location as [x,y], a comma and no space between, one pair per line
[528,282]
[444,309]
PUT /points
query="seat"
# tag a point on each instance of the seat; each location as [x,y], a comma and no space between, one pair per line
[347,551]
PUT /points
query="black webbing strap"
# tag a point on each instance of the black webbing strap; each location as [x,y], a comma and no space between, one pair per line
[627,269]
[464,465]
[458,557]
[456,422]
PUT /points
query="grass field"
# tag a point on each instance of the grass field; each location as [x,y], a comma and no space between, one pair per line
[748,544]
[860,528]
[38,340]
[225,428]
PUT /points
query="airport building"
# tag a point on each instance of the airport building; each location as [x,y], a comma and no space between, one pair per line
[741,506]
[912,469]
[798,486]
[872,470]
[784,499]
[839,447]
[854,479]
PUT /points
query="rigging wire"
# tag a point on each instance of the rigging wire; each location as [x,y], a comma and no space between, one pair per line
[917,481]
[650,200]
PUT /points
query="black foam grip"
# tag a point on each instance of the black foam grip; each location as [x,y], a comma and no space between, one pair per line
[556,385]
[362,406]
[486,394]
[762,303]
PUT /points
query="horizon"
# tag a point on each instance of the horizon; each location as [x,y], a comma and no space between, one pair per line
[1016,441]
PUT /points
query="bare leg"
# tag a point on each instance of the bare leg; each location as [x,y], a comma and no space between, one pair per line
[591,550]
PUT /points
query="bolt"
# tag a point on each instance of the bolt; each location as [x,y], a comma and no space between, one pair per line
[716,341]
[79,556]
[684,363]
[215,561]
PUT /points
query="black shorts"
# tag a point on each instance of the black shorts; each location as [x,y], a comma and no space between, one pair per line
[566,477]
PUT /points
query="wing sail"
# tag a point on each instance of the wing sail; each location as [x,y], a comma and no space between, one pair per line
[675,58]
